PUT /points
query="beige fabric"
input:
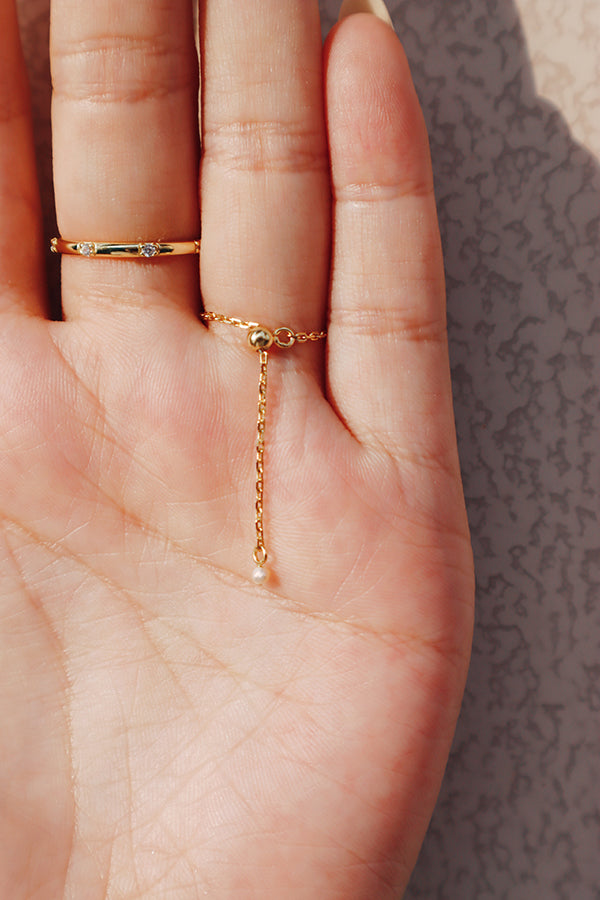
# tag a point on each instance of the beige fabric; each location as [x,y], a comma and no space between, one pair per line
[563,44]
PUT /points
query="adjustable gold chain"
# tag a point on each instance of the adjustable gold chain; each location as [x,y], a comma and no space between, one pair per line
[262,339]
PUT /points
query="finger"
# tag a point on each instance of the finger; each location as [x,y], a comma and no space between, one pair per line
[265,180]
[388,362]
[125,132]
[21,259]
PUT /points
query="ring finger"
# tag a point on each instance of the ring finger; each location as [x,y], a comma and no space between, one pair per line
[125,132]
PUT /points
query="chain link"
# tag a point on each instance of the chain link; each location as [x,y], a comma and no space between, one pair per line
[227,320]
[260,552]
[283,338]
[300,336]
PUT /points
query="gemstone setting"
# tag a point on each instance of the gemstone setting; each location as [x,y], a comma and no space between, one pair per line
[149,250]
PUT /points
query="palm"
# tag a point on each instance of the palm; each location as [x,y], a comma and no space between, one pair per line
[172,727]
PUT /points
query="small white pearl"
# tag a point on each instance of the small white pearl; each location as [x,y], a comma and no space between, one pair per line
[260,575]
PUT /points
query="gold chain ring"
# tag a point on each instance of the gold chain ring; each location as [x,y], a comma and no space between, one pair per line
[261,339]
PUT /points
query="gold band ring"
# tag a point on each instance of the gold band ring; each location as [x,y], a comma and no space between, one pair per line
[143,250]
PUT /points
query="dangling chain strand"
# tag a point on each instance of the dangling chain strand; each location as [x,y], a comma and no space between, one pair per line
[261,339]
[260,552]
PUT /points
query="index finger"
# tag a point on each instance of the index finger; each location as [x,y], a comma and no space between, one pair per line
[126,147]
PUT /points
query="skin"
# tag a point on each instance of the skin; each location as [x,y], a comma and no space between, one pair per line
[170,730]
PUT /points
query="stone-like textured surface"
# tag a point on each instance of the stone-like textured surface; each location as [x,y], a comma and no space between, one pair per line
[519,202]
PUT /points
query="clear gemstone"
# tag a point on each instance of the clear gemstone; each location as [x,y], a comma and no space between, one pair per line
[86,248]
[149,250]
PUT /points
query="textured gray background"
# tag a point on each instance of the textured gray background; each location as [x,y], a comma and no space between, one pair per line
[518,196]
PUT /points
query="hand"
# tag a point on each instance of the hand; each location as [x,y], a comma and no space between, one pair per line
[169,728]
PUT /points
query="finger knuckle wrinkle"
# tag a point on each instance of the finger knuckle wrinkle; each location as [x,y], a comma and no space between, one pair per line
[266,147]
[359,192]
[122,70]
[406,325]
[419,332]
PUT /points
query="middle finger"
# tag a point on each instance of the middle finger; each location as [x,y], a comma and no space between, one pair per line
[265,171]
